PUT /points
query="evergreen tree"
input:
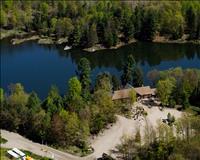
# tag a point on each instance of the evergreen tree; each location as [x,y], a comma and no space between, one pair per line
[128,29]
[104,82]
[92,36]
[33,102]
[137,77]
[128,69]
[61,8]
[148,26]
[75,37]
[139,15]
[53,103]
[74,99]
[191,19]
[115,83]
[195,96]
[108,37]
[84,71]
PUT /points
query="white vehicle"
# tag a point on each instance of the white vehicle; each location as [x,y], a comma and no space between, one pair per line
[13,154]
[16,153]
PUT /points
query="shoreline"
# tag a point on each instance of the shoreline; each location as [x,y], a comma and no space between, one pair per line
[19,37]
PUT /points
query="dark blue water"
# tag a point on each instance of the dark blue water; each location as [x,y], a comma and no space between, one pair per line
[37,67]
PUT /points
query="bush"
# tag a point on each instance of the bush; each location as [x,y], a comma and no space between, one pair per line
[2,140]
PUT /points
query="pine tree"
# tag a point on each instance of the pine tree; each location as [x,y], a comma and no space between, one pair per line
[75,36]
[83,72]
[191,19]
[137,77]
[128,69]
[92,36]
[148,26]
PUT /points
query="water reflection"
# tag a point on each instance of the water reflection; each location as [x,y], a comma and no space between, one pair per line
[37,67]
[152,53]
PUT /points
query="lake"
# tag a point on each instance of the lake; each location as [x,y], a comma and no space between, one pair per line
[37,67]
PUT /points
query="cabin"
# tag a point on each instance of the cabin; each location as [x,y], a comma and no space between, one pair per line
[141,92]
[145,92]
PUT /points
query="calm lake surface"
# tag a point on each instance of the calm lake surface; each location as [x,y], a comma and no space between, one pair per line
[38,67]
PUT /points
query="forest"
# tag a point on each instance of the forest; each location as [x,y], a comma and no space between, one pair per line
[87,23]
[67,121]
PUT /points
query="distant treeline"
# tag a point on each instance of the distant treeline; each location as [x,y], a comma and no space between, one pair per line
[87,23]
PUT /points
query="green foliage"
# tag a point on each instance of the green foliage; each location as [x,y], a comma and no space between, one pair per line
[53,103]
[92,36]
[2,140]
[18,95]
[74,132]
[128,70]
[110,34]
[137,77]
[64,27]
[105,113]
[191,11]
[1,96]
[74,88]
[84,71]
[172,20]
[33,101]
[74,99]
[131,73]
[103,81]
[132,95]
[164,90]
[3,18]
[195,96]
[75,36]
[148,26]
[185,91]
[115,83]
[86,23]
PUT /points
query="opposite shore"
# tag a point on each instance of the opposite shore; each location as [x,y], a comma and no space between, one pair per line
[18,37]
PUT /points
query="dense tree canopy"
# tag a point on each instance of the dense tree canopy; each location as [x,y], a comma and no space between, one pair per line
[86,23]
[178,87]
